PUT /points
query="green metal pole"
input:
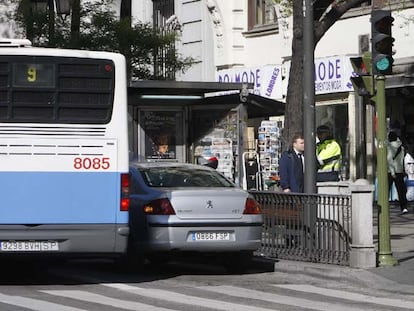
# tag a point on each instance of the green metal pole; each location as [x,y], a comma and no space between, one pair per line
[385,257]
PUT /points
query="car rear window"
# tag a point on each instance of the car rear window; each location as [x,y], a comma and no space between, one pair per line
[183,177]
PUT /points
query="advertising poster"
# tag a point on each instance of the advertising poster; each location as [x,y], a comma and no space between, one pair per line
[160,134]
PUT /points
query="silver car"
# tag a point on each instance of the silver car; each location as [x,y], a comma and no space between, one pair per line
[187,208]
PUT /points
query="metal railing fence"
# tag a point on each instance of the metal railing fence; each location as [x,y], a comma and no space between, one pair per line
[306,227]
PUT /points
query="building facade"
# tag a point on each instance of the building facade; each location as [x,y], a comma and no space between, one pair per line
[250,41]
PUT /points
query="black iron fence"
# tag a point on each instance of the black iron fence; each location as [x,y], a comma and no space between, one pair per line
[306,227]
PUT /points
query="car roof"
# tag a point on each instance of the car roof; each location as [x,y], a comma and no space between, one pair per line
[168,164]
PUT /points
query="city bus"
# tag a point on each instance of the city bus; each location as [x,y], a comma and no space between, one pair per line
[64,180]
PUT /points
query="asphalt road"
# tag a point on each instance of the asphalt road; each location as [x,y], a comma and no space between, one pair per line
[189,285]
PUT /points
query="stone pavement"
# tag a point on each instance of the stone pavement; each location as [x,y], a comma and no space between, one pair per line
[399,278]
[402,245]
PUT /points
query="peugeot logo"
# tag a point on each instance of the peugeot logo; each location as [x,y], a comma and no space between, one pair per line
[209,204]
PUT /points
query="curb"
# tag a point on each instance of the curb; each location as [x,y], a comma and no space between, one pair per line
[345,274]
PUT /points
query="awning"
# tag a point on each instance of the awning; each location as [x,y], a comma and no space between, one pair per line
[257,106]
[200,94]
[162,87]
[399,80]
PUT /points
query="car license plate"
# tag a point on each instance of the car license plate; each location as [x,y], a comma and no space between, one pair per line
[28,246]
[211,236]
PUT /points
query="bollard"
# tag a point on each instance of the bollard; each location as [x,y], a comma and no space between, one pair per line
[362,253]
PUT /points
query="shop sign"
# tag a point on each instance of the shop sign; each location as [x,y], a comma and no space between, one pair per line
[332,75]
[267,80]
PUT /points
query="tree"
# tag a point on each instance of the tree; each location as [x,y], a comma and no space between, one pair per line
[95,26]
[326,13]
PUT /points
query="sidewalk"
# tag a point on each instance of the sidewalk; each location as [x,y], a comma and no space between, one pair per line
[402,245]
[399,278]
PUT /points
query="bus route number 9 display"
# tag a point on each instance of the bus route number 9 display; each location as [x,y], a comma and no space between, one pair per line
[40,75]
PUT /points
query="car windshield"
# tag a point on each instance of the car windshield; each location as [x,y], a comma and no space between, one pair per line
[183,177]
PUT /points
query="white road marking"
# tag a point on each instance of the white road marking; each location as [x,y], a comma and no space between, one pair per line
[35,304]
[184,299]
[104,300]
[240,292]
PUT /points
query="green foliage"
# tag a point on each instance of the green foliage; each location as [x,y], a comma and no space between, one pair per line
[102,30]
[286,6]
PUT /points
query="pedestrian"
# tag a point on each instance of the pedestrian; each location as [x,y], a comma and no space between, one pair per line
[409,170]
[395,160]
[328,154]
[291,165]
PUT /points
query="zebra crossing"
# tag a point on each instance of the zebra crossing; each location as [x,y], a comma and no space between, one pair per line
[189,296]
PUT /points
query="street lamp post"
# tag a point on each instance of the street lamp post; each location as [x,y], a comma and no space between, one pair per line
[309,97]
[63,6]
[309,117]
[51,22]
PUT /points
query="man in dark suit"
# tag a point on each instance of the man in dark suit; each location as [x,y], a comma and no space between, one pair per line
[291,166]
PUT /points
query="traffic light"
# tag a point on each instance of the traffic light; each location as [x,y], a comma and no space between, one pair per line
[362,79]
[381,42]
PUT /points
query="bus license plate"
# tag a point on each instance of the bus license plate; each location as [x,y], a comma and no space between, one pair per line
[211,236]
[28,246]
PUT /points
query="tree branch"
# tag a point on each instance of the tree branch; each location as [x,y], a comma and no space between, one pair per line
[333,13]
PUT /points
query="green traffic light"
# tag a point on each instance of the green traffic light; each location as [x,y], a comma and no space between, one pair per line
[383,64]
[381,41]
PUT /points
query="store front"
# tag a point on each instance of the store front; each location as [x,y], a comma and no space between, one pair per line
[183,121]
[400,103]
[351,117]
[334,106]
[187,121]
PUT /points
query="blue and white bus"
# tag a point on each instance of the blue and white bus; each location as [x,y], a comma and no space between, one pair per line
[63,151]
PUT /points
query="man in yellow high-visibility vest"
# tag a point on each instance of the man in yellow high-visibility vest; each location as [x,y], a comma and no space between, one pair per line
[328,154]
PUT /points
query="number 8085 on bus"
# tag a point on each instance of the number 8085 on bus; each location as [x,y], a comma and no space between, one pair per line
[96,163]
